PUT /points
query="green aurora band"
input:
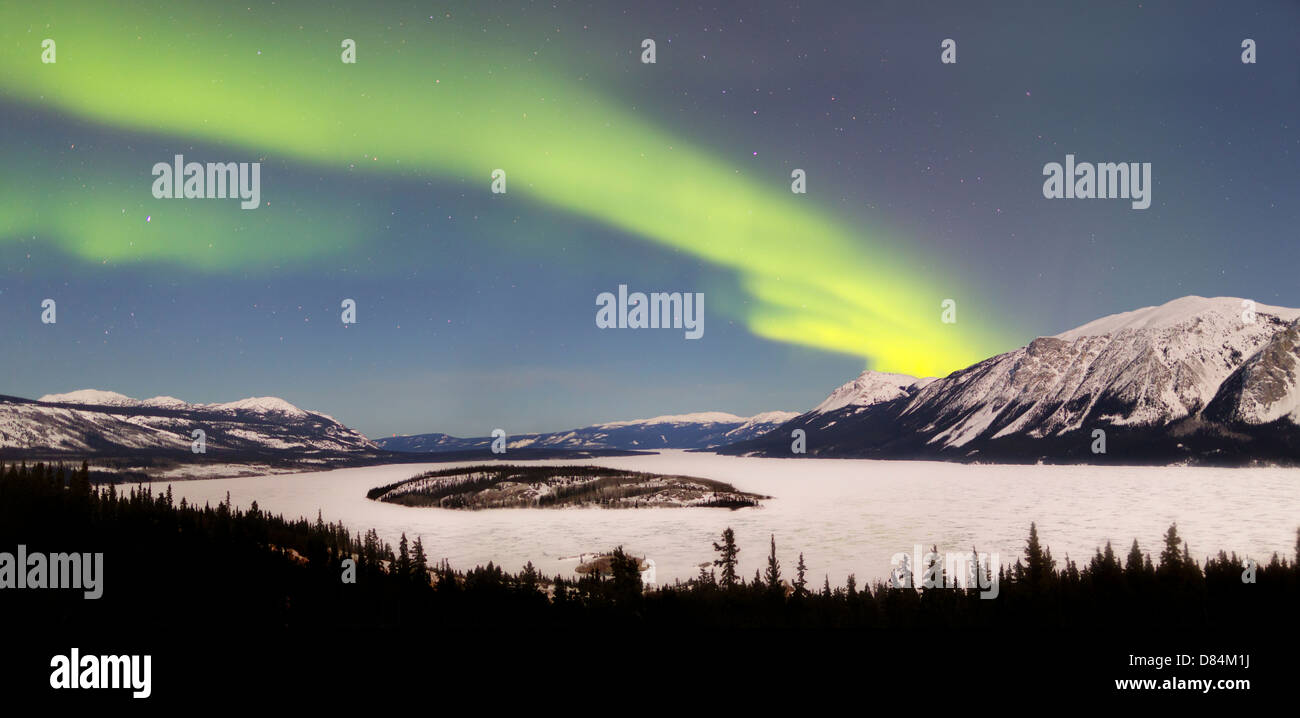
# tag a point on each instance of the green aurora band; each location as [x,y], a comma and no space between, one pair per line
[426,101]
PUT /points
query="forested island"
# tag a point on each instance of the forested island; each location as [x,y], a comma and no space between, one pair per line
[512,486]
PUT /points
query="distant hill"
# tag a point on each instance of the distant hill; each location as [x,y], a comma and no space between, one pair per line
[151,439]
[154,437]
[705,430]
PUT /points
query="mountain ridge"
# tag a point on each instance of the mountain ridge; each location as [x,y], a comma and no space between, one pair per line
[160,433]
[1194,380]
[1143,376]
[699,430]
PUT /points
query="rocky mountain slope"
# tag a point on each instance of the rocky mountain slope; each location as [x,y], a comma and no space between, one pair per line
[1195,379]
[106,425]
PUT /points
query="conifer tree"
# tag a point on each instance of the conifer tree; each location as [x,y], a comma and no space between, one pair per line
[1189,563]
[403,558]
[1109,565]
[528,578]
[625,573]
[800,581]
[1171,558]
[773,575]
[81,480]
[420,562]
[726,560]
[1038,563]
[1133,564]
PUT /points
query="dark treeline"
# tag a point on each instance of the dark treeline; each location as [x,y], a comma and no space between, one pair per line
[169,564]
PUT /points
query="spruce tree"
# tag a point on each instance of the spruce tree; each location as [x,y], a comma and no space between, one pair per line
[773,575]
[1133,564]
[800,581]
[528,578]
[1038,563]
[726,560]
[1109,565]
[420,562]
[403,558]
[81,480]
[1171,558]
[625,571]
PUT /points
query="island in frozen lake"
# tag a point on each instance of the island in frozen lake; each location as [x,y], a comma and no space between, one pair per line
[512,486]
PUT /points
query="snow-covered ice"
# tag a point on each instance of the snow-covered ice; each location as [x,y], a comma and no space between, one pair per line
[846,516]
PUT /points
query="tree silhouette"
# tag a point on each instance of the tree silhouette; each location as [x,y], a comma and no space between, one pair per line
[403,567]
[1133,564]
[1171,558]
[1038,563]
[801,580]
[625,573]
[727,552]
[773,574]
[420,562]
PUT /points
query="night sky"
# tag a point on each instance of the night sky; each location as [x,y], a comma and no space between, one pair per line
[477,310]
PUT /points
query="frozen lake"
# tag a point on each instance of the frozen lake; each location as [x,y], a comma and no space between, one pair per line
[846,516]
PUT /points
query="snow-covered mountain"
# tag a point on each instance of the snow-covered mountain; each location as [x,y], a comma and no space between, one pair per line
[1192,380]
[93,422]
[1263,389]
[871,387]
[1173,382]
[704,430]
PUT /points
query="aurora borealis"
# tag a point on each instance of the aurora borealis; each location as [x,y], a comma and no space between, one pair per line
[923,186]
